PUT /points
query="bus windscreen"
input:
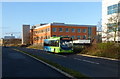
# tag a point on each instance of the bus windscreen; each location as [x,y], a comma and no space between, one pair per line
[66,43]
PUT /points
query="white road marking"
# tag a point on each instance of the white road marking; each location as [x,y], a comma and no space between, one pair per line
[60,55]
[77,59]
[51,66]
[87,61]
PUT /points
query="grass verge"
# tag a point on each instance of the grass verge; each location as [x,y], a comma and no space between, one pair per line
[74,73]
[108,50]
[37,46]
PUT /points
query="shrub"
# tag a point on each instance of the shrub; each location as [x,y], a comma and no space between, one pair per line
[111,50]
[36,46]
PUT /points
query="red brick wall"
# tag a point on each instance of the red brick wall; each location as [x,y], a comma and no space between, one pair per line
[58,33]
[70,33]
[39,36]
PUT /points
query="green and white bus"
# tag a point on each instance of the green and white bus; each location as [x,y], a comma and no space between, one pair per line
[58,45]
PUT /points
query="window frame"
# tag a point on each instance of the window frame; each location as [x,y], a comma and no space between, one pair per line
[78,30]
[67,30]
[73,30]
[60,29]
[84,30]
[54,29]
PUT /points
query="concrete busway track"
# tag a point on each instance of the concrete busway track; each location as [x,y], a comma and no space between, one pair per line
[20,66]
[89,66]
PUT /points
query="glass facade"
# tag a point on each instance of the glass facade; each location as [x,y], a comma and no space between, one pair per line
[112,27]
[113,9]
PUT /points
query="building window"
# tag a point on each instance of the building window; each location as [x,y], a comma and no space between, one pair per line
[73,30]
[89,30]
[78,37]
[78,30]
[60,35]
[119,8]
[113,9]
[48,37]
[67,30]
[54,35]
[67,36]
[111,24]
[89,37]
[110,29]
[48,29]
[60,29]
[73,37]
[84,36]
[45,30]
[84,30]
[54,29]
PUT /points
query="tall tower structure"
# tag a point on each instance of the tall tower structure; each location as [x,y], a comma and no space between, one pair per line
[25,34]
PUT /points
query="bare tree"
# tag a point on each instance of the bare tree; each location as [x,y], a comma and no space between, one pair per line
[112,25]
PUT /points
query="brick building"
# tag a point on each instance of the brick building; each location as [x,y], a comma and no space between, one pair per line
[45,31]
[10,41]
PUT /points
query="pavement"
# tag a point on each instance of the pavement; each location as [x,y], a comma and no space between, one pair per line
[18,65]
[89,66]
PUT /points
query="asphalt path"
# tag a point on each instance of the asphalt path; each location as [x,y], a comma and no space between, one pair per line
[18,65]
[92,67]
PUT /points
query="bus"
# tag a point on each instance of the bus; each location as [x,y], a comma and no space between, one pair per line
[58,45]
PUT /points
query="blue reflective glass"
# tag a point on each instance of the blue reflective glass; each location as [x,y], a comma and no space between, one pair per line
[78,37]
[60,29]
[113,9]
[73,37]
[84,30]
[60,35]
[109,7]
[115,6]
[78,30]
[66,29]
[54,29]
[66,35]
[84,37]
[54,35]
[73,30]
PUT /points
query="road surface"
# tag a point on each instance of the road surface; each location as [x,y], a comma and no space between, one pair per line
[18,65]
[92,67]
